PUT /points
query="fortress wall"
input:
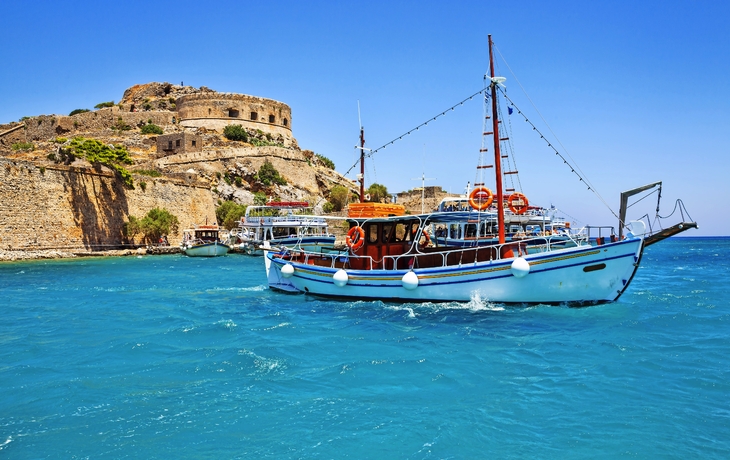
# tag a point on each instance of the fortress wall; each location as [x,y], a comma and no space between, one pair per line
[217,110]
[70,207]
[48,127]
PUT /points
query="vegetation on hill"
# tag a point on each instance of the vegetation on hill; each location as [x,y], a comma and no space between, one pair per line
[95,151]
[325,161]
[377,192]
[339,196]
[229,213]
[235,133]
[77,111]
[23,146]
[156,223]
[102,105]
[268,175]
[151,128]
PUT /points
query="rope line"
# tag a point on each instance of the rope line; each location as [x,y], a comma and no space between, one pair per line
[373,152]
[560,155]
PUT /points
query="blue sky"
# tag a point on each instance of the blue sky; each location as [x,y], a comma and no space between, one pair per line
[635,91]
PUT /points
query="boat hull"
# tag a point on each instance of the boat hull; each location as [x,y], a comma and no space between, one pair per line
[580,275]
[207,250]
[308,244]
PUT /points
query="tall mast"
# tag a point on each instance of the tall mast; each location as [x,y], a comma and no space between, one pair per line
[362,164]
[497,154]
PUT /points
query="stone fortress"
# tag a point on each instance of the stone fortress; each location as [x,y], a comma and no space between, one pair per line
[80,206]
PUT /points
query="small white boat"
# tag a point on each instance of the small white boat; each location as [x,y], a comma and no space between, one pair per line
[289,224]
[203,241]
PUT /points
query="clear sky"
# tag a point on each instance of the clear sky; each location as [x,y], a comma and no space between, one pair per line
[636,92]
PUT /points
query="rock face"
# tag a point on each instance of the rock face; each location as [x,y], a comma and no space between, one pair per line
[48,205]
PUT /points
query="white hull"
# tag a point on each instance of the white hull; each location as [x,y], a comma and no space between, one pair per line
[207,250]
[583,275]
[308,244]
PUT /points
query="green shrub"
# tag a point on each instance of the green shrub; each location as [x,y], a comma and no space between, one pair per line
[229,213]
[328,207]
[23,146]
[102,105]
[60,140]
[156,223]
[378,192]
[151,129]
[143,185]
[121,125]
[77,111]
[268,175]
[95,151]
[235,133]
[338,197]
[259,198]
[42,169]
[325,161]
[238,181]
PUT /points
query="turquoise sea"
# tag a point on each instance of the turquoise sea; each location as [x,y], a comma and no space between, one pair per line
[176,357]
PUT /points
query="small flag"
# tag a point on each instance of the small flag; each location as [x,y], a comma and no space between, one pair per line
[509,109]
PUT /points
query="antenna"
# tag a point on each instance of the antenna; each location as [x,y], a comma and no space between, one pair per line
[423,181]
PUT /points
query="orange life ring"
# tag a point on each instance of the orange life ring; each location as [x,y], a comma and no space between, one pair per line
[517,203]
[480,198]
[354,242]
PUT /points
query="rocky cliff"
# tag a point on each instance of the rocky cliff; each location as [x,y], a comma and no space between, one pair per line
[47,203]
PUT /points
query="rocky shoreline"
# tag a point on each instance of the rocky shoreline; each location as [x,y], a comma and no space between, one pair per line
[8,256]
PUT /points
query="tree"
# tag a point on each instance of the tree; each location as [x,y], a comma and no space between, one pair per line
[229,213]
[156,223]
[377,192]
[151,128]
[235,133]
[269,175]
[259,198]
[339,197]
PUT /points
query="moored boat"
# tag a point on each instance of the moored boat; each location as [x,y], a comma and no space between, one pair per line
[289,224]
[203,241]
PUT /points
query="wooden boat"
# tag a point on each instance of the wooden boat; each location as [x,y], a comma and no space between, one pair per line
[203,241]
[391,258]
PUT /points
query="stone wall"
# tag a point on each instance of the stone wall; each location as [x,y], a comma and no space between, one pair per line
[48,127]
[69,207]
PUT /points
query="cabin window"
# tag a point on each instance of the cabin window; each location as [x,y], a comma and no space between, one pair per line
[232,113]
[455,231]
[372,233]
[192,143]
[169,145]
[387,232]
[286,122]
[400,232]
[272,119]
[254,116]
[471,231]
[177,143]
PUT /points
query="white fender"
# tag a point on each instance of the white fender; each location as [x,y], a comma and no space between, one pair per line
[520,267]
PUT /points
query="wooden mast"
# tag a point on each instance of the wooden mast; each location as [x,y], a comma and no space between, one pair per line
[497,155]
[362,164]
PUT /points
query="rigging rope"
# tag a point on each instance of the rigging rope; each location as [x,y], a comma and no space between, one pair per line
[372,152]
[572,168]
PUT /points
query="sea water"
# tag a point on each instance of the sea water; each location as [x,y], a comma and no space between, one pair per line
[177,357]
